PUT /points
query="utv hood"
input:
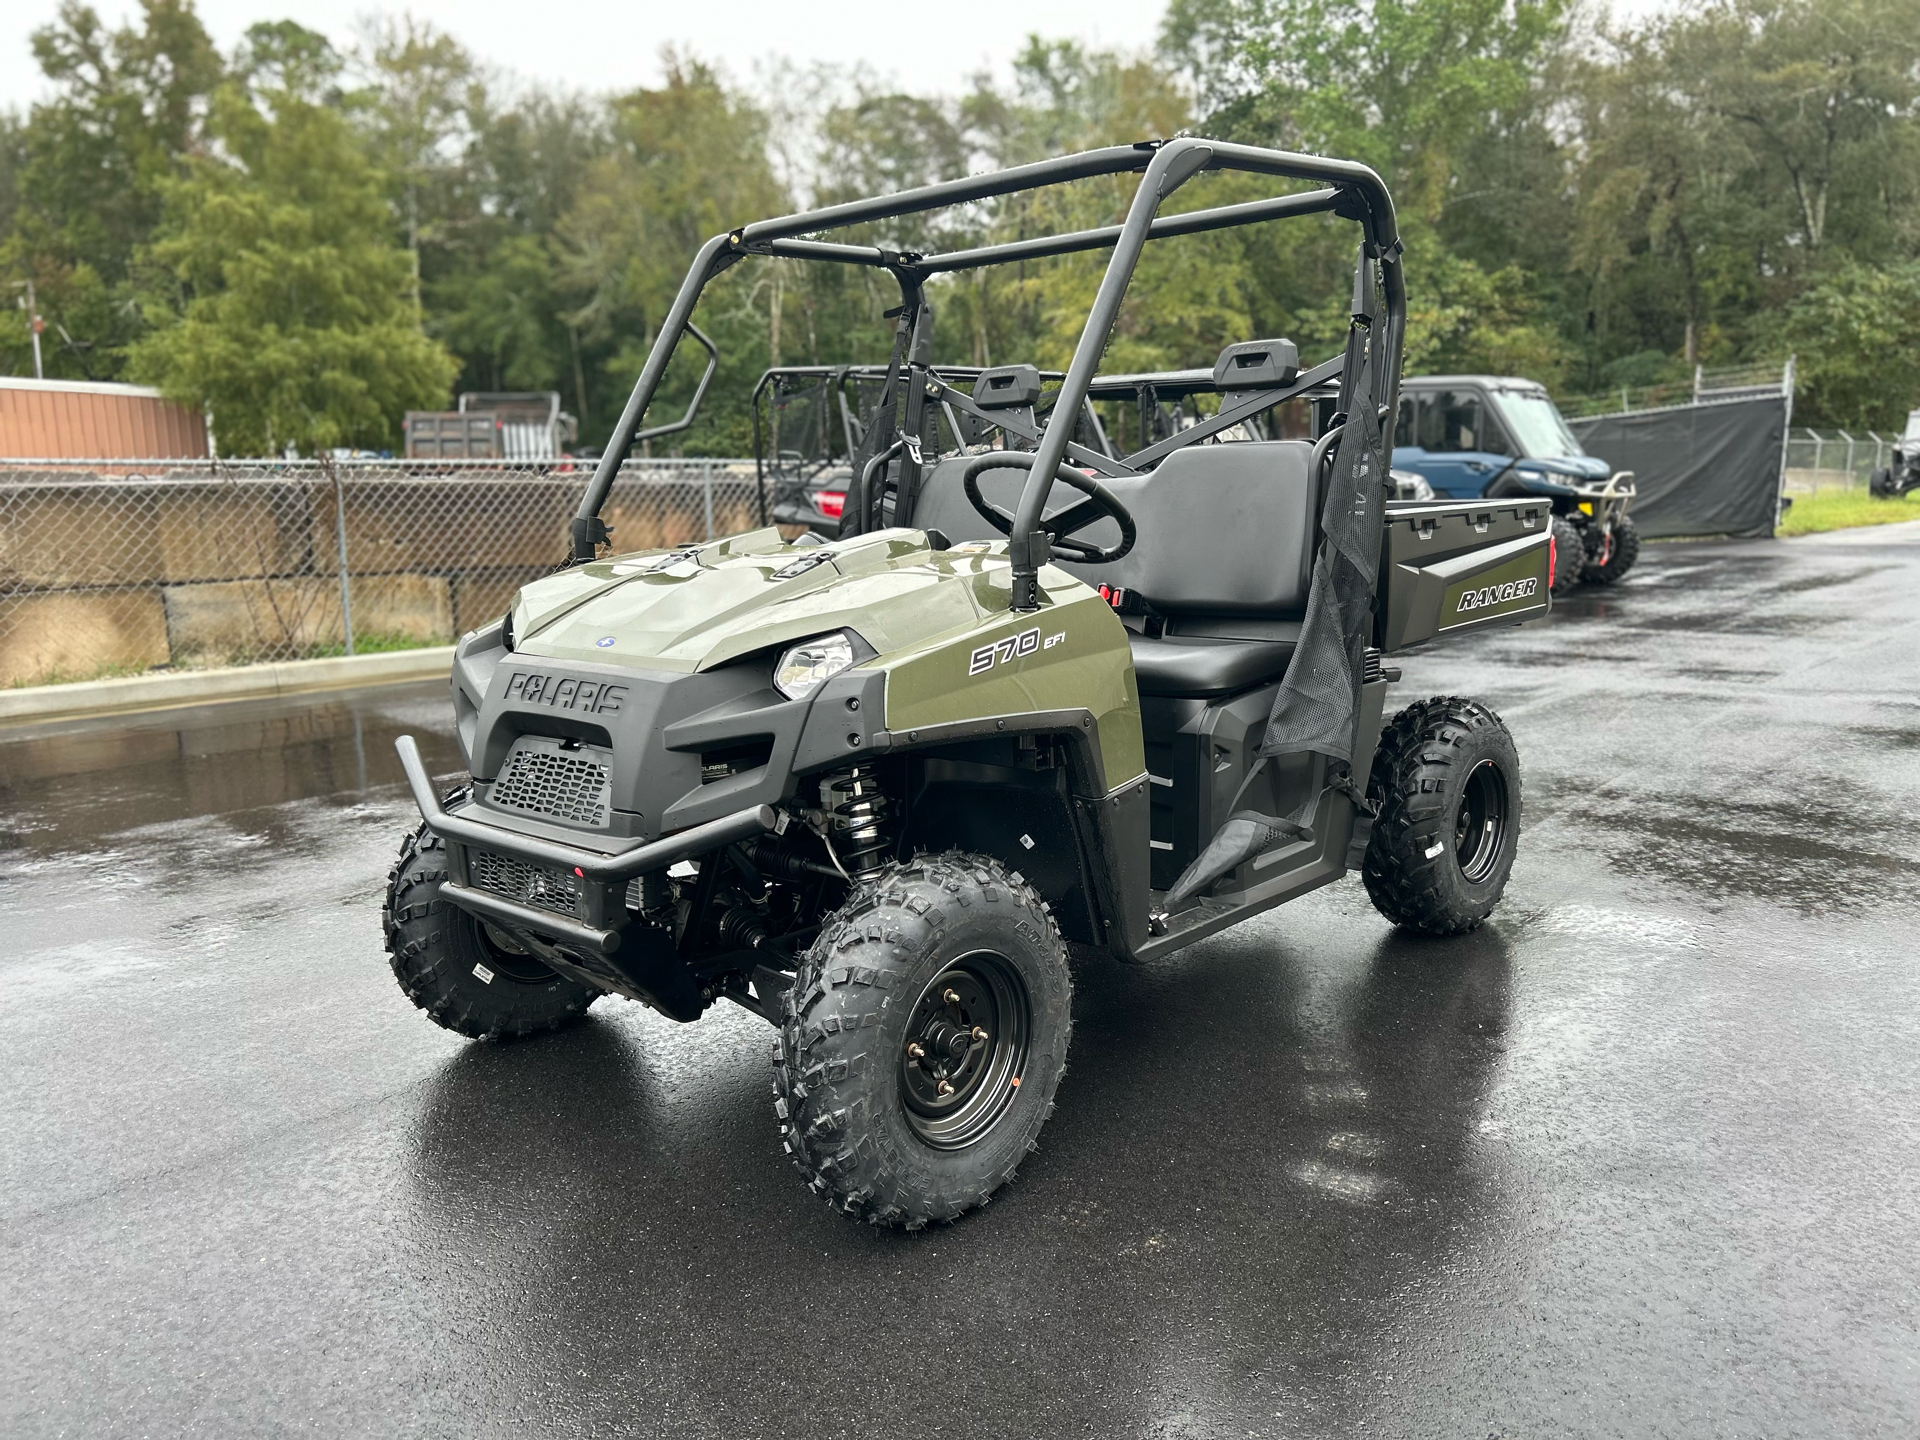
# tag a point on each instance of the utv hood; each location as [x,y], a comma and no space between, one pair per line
[701,606]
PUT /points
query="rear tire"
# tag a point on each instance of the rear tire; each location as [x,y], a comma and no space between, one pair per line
[469,977]
[1447,780]
[1626,550]
[864,1117]
[1569,556]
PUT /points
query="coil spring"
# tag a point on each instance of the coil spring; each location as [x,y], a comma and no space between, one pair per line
[858,811]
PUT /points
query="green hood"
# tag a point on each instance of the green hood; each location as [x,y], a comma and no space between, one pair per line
[698,607]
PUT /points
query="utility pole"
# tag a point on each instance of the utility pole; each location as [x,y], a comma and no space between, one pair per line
[35,325]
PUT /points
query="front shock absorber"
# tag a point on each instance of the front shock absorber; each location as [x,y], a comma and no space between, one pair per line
[858,815]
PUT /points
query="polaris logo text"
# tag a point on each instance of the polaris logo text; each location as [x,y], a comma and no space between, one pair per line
[1001,651]
[592,696]
[1498,594]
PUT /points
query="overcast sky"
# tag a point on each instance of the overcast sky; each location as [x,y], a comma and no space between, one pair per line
[604,45]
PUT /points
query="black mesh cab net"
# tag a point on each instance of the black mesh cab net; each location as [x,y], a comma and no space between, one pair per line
[1315,709]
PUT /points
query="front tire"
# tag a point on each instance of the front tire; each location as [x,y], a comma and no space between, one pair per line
[468,976]
[1447,780]
[1620,557]
[923,1040]
[1569,556]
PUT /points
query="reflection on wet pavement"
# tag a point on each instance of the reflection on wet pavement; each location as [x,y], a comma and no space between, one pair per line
[63,785]
[1636,1158]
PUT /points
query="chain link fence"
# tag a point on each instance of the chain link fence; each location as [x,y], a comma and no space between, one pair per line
[118,567]
[1708,385]
[1834,459]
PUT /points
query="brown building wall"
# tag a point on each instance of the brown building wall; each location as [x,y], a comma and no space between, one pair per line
[44,420]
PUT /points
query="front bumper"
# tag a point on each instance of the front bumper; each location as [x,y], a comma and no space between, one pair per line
[598,879]
[1609,502]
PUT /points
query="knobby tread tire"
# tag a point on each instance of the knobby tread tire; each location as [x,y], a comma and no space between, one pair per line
[1570,556]
[433,947]
[835,1064]
[1626,550]
[1419,771]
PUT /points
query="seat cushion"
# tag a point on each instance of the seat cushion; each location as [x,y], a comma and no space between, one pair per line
[1224,530]
[1199,668]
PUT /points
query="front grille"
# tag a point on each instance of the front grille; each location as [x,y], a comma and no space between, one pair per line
[516,880]
[541,778]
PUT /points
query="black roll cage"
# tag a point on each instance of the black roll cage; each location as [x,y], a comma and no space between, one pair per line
[1353,192]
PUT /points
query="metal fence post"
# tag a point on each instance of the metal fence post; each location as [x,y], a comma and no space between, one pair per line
[1849,439]
[1819,451]
[1786,438]
[706,490]
[340,546]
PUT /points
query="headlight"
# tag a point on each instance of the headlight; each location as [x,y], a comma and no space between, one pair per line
[807,665]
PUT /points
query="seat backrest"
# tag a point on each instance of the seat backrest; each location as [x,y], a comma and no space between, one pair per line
[1222,529]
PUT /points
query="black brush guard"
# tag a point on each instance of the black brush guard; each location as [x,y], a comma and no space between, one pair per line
[598,929]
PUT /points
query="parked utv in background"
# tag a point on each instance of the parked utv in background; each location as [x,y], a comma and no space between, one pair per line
[1474,436]
[808,421]
[812,424]
[1902,477]
[1048,690]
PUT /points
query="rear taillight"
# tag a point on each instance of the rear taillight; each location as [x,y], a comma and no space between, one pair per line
[1553,556]
[831,503]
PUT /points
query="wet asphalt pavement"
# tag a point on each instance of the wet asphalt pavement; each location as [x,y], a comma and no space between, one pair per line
[1638,1158]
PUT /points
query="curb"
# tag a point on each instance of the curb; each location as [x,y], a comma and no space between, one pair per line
[241,682]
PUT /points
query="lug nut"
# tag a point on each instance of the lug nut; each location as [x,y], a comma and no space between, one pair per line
[952,997]
[980,1034]
[944,1088]
[915,1050]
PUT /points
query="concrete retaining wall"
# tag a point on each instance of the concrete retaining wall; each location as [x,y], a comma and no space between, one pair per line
[101,572]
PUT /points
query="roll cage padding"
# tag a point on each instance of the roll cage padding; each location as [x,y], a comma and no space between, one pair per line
[1356,193]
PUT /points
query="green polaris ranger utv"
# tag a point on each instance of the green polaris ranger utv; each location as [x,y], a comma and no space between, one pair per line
[1038,697]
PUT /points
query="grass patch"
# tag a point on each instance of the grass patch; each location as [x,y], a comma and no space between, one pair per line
[77,677]
[378,643]
[1844,510]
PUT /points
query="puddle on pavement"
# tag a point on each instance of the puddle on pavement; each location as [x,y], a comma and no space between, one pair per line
[1816,857]
[1826,581]
[65,787]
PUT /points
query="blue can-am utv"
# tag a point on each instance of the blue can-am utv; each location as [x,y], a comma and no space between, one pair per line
[1486,436]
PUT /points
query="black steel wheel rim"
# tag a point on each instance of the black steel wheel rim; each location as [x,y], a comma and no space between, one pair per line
[508,958]
[965,1050]
[1480,827]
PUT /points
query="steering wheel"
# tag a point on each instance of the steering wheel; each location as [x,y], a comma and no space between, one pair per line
[1100,504]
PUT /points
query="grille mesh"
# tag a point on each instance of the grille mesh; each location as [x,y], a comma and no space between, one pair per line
[534,885]
[571,787]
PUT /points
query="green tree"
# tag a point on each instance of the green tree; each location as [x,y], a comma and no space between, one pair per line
[1731,151]
[88,168]
[495,292]
[418,93]
[686,161]
[1857,334]
[280,300]
[1426,92]
[1404,85]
